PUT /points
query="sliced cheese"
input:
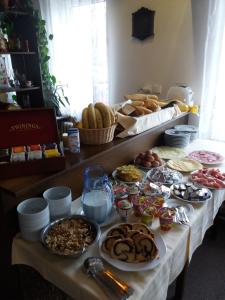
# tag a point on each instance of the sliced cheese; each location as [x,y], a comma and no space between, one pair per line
[184,165]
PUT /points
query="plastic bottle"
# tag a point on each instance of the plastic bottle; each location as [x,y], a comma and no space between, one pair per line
[74,140]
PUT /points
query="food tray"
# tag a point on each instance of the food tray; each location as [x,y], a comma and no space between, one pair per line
[93,226]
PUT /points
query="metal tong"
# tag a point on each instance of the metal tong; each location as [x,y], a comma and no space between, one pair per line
[113,287]
[181,216]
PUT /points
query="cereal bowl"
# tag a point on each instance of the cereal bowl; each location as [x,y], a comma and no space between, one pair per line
[70,236]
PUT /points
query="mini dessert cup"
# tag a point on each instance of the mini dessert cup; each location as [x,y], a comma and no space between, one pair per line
[120,193]
[148,214]
[158,202]
[166,218]
[138,203]
[124,209]
[133,194]
[121,196]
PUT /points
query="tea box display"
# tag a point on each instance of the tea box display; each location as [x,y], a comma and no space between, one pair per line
[30,143]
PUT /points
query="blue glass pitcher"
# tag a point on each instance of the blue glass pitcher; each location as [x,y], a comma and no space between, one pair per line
[97,196]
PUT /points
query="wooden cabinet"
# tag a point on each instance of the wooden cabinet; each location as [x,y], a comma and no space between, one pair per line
[23,52]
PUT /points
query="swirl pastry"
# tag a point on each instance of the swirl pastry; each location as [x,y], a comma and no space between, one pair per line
[109,241]
[142,228]
[117,231]
[130,243]
[145,247]
[124,249]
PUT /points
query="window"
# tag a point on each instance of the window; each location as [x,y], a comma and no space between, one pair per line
[78,50]
[213,103]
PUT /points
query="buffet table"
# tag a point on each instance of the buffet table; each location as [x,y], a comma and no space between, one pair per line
[181,242]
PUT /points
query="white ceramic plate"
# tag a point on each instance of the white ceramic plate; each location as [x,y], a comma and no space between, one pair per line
[184,165]
[166,152]
[114,175]
[189,209]
[177,176]
[134,267]
[191,201]
[204,157]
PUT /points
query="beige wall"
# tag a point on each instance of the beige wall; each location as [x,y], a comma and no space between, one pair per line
[168,58]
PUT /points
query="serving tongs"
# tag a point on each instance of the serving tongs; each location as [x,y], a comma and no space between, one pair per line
[181,216]
[114,287]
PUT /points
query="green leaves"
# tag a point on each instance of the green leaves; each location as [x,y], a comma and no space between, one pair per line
[53,79]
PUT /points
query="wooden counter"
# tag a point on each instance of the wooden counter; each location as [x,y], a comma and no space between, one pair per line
[111,155]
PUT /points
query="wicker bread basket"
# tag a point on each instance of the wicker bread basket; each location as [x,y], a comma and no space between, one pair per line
[97,136]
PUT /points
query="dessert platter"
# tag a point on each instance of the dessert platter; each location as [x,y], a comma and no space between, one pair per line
[164,175]
[211,178]
[128,174]
[132,247]
[151,189]
[147,160]
[206,157]
[184,165]
[189,192]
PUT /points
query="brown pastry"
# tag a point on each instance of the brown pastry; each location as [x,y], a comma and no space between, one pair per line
[145,247]
[107,245]
[124,250]
[130,242]
[142,228]
[117,231]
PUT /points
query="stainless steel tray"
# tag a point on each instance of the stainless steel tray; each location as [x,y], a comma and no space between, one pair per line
[93,225]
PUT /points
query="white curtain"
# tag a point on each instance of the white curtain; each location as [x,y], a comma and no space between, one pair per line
[78,50]
[213,93]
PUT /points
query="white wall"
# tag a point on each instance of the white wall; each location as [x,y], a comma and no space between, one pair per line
[166,59]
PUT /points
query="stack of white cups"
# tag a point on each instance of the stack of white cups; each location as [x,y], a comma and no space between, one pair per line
[33,215]
[59,199]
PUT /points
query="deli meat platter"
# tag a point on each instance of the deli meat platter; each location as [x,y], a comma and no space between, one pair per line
[206,157]
[211,178]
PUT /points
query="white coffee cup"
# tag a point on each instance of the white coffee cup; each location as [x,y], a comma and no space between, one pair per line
[33,216]
[59,199]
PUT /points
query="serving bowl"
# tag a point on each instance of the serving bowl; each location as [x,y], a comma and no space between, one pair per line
[70,236]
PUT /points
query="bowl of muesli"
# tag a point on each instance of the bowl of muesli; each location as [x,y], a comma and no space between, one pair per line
[70,236]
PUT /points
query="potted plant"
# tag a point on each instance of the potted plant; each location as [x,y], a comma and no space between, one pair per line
[52,92]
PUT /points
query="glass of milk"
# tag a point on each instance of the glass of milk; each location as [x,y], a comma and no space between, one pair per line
[97,194]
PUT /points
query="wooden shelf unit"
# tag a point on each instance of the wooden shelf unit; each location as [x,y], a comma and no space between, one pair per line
[25,62]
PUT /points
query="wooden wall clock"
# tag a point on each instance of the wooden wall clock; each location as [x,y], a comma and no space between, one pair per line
[143,23]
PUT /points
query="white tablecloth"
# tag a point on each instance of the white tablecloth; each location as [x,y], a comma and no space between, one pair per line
[181,242]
